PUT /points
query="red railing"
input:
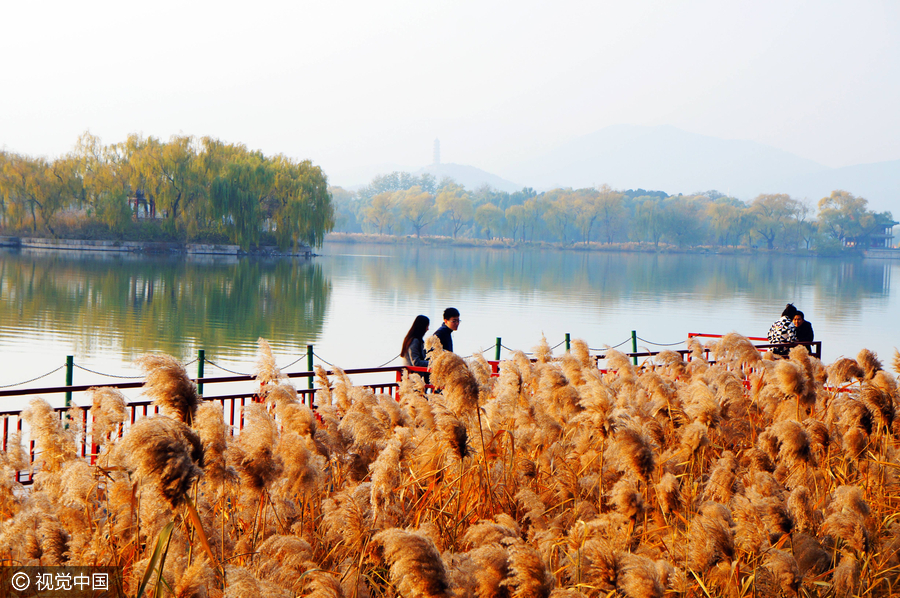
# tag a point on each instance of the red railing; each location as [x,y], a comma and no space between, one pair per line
[233,403]
[815,347]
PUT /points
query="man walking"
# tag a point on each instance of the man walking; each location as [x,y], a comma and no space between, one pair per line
[451,323]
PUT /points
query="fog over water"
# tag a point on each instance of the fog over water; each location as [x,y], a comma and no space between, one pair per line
[354,303]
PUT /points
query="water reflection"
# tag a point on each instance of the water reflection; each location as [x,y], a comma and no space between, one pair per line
[610,276]
[169,304]
[355,302]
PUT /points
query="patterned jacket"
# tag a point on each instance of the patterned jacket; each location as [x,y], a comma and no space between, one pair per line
[782,331]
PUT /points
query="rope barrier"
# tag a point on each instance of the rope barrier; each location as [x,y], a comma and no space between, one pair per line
[293,362]
[627,340]
[386,362]
[508,349]
[108,375]
[659,344]
[214,364]
[327,362]
[33,379]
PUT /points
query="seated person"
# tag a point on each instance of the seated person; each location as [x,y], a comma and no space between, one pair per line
[783,331]
[804,329]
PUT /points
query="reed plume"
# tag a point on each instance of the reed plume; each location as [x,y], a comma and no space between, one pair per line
[165,453]
[843,371]
[267,371]
[879,403]
[529,577]
[319,584]
[55,444]
[167,383]
[711,537]
[386,478]
[869,363]
[214,434]
[323,390]
[722,483]
[301,467]
[791,378]
[486,532]
[253,455]
[673,362]
[108,411]
[481,369]
[848,526]
[626,499]
[792,442]
[639,577]
[581,352]
[784,570]
[668,493]
[618,361]
[737,349]
[416,567]
[453,434]
[631,450]
[562,398]
[846,576]
[542,352]
[700,403]
[450,373]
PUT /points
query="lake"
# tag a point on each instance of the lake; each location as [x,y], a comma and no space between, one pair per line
[354,303]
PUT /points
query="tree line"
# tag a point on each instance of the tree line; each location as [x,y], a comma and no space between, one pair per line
[402,203]
[193,189]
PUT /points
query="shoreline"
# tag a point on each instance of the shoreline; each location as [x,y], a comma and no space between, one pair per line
[631,247]
[146,247]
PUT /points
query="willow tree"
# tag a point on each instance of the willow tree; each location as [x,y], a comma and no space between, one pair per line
[37,189]
[303,210]
[236,196]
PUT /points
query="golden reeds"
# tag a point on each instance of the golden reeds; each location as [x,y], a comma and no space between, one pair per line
[735,478]
[170,387]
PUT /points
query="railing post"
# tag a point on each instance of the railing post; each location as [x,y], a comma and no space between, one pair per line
[309,366]
[497,350]
[201,359]
[70,368]
[568,343]
[634,346]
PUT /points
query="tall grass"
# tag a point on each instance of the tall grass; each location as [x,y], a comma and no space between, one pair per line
[742,477]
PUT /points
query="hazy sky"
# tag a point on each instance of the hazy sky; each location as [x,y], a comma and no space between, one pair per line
[349,84]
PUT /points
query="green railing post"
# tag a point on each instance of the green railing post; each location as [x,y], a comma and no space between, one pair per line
[70,368]
[634,346]
[201,359]
[309,366]
[568,342]
[497,350]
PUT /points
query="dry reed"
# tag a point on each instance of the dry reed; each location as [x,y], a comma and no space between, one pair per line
[735,478]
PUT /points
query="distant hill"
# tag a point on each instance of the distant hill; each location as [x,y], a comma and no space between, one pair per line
[664,157]
[878,182]
[355,178]
[469,177]
[676,161]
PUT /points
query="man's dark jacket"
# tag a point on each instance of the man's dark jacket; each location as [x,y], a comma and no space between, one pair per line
[444,333]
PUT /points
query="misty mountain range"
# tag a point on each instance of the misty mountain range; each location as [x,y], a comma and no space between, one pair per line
[669,159]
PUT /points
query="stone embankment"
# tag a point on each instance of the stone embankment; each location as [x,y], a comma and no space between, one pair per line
[146,247]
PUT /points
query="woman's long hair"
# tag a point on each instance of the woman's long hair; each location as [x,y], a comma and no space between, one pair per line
[417,330]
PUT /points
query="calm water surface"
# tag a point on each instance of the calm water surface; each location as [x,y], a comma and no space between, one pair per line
[355,302]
